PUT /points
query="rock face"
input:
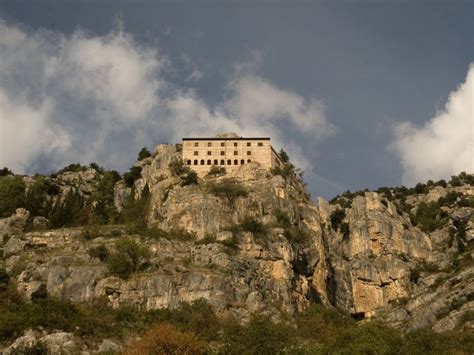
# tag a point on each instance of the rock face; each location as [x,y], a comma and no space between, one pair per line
[270,250]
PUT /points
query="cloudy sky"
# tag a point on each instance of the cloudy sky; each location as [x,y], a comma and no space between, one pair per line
[360,93]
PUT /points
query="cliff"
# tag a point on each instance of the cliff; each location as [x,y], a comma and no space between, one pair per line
[253,242]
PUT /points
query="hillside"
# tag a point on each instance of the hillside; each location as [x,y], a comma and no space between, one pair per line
[243,252]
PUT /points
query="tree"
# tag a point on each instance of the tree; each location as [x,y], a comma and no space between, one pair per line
[5,172]
[284,156]
[132,175]
[144,153]
[191,178]
[12,194]
[127,257]
[69,212]
[135,210]
[177,167]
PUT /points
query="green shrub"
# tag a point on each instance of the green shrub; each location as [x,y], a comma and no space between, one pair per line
[259,336]
[73,168]
[428,217]
[216,170]
[101,252]
[282,219]
[5,171]
[104,210]
[144,153]
[296,235]
[134,173]
[12,195]
[178,167]
[70,212]
[190,178]
[337,216]
[231,189]
[127,257]
[253,226]
[134,211]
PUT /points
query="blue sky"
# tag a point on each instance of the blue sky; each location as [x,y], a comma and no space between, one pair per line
[360,93]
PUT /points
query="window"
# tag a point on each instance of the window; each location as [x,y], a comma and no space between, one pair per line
[196,152]
[196,162]
[236,162]
[202,161]
[222,152]
[209,162]
[242,161]
[209,152]
[249,152]
[229,162]
[236,152]
[222,144]
[235,144]
[216,162]
[260,144]
[209,144]
[189,162]
[222,162]
[249,144]
[249,161]
[196,144]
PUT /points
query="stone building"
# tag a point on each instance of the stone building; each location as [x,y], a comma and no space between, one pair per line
[228,150]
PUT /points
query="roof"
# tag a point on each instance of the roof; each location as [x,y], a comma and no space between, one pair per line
[229,139]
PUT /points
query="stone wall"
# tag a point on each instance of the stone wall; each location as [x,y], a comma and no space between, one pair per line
[202,153]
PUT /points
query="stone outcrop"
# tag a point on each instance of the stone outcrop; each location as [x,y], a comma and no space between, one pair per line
[374,262]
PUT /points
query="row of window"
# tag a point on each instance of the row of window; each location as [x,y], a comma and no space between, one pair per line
[209,144]
[216,162]
[223,152]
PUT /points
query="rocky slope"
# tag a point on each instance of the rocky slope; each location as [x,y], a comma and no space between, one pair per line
[266,249]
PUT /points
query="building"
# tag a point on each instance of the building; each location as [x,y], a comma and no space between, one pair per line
[229,151]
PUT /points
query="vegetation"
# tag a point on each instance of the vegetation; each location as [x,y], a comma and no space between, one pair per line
[229,188]
[134,211]
[178,167]
[144,153]
[337,216]
[12,194]
[5,171]
[127,258]
[216,170]
[72,168]
[429,217]
[167,339]
[287,170]
[134,173]
[69,212]
[190,178]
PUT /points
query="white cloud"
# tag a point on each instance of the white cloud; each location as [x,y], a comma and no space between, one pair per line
[444,146]
[98,98]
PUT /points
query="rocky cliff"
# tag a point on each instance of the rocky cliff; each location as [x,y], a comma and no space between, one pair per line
[254,242]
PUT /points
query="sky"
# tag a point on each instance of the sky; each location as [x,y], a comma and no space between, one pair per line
[361,94]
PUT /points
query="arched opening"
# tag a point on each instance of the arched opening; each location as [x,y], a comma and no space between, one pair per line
[229,162]
[209,162]
[249,161]
[195,162]
[189,162]
[222,162]
[202,161]
[242,161]
[216,162]
[236,162]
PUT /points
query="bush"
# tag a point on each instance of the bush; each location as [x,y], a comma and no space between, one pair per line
[134,173]
[337,216]
[259,336]
[231,189]
[5,171]
[177,167]
[12,195]
[167,339]
[253,226]
[144,153]
[428,217]
[73,168]
[68,213]
[101,252]
[282,219]
[128,257]
[104,210]
[216,171]
[190,178]
[134,211]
